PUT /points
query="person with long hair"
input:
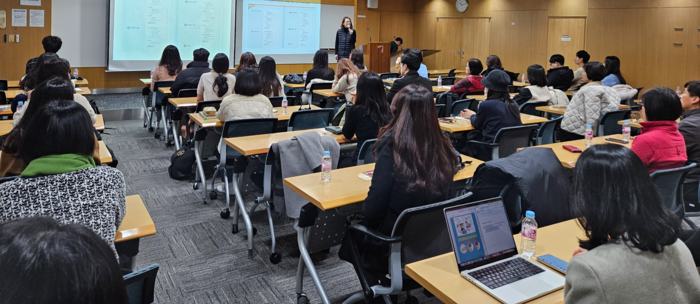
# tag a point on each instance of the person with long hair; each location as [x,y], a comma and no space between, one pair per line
[537,90]
[498,111]
[614,76]
[320,68]
[345,39]
[247,101]
[660,146]
[358,58]
[493,62]
[345,80]
[218,83]
[43,261]
[471,83]
[247,61]
[631,252]
[169,66]
[370,112]
[269,78]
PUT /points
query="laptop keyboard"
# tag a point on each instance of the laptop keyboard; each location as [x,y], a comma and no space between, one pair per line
[505,273]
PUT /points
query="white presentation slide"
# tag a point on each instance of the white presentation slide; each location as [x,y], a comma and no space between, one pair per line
[141,29]
[278,27]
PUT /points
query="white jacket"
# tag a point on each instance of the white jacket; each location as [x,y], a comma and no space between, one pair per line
[625,91]
[237,106]
[587,106]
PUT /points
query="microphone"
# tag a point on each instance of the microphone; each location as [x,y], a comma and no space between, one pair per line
[370,35]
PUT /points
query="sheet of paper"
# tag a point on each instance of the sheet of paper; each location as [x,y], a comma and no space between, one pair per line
[36,18]
[19,17]
[30,2]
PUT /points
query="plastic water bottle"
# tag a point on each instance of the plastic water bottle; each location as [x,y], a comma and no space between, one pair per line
[152,71]
[326,165]
[528,235]
[626,131]
[439,81]
[524,79]
[589,135]
[20,105]
[284,105]
[75,72]
[678,90]
[304,76]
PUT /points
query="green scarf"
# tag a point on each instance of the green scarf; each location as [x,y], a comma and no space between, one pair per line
[57,164]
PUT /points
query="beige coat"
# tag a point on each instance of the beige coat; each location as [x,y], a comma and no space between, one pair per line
[345,85]
[76,97]
[241,107]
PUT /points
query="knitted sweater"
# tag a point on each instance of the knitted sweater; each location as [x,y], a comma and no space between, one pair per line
[93,197]
[588,106]
[237,106]
[346,85]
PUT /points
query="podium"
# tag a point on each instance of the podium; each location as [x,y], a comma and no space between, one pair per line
[377,56]
[399,53]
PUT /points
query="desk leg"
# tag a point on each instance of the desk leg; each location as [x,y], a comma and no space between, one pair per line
[145,111]
[239,208]
[200,168]
[165,124]
[305,258]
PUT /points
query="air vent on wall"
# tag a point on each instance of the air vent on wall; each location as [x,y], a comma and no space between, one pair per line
[372,3]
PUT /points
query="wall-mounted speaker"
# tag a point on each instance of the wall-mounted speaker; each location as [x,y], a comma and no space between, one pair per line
[372,3]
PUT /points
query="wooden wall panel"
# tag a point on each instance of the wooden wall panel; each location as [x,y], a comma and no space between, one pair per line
[450,42]
[13,55]
[424,28]
[693,57]
[396,24]
[475,39]
[568,8]
[519,5]
[519,38]
[446,8]
[371,22]
[390,5]
[627,4]
[574,28]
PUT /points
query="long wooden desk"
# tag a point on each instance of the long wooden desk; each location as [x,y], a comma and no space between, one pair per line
[14,84]
[7,111]
[137,222]
[328,93]
[105,156]
[5,126]
[560,110]
[346,187]
[568,159]
[13,93]
[445,72]
[483,97]
[463,125]
[441,89]
[99,122]
[441,277]
[520,84]
[215,122]
[145,81]
[164,90]
[183,102]
[294,85]
[260,144]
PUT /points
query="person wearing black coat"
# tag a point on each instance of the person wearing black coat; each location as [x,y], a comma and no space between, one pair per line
[559,76]
[410,63]
[189,78]
[345,39]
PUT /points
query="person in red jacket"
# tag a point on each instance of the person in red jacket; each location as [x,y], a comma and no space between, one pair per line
[660,146]
[472,83]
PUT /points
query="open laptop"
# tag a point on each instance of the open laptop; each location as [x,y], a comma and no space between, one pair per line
[487,256]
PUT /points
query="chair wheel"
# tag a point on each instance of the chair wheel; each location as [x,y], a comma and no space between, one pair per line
[275,258]
[213,194]
[411,300]
[255,231]
[195,186]
[145,124]
[234,229]
[302,299]
[225,213]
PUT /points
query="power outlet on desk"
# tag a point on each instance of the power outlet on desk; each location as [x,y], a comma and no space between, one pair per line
[11,38]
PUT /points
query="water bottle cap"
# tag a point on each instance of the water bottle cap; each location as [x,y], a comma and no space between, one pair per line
[589,126]
[530,214]
[20,103]
[284,97]
[627,121]
[326,153]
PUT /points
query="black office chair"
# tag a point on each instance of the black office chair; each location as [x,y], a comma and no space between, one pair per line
[514,206]
[547,132]
[411,240]
[669,183]
[530,107]
[316,99]
[445,98]
[310,119]
[140,284]
[365,155]
[187,93]
[202,133]
[608,123]
[388,75]
[3,98]
[445,81]
[451,73]
[508,140]
[156,102]
[277,101]
[639,91]
[514,89]
[462,104]
[3,85]
[440,110]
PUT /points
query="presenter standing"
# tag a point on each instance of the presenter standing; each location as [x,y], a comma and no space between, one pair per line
[345,39]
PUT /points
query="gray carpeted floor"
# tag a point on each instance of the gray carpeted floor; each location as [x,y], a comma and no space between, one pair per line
[200,260]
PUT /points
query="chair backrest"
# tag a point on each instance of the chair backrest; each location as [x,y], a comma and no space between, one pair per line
[446,98]
[546,134]
[669,183]
[209,103]
[448,80]
[365,154]
[511,138]
[140,284]
[3,84]
[608,123]
[277,101]
[530,107]
[316,98]
[639,91]
[388,75]
[440,110]
[162,84]
[310,119]
[451,73]
[246,127]
[460,105]
[3,98]
[187,93]
[514,207]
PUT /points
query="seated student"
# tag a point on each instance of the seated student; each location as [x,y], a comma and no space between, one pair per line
[415,161]
[660,146]
[631,252]
[538,90]
[54,88]
[369,113]
[170,65]
[345,80]
[51,45]
[357,58]
[614,76]
[589,104]
[423,70]
[690,129]
[46,262]
[497,112]
[581,59]
[559,76]
[410,62]
[247,61]
[218,83]
[47,66]
[320,69]
[61,179]
[189,78]
[270,80]
[472,83]
[247,102]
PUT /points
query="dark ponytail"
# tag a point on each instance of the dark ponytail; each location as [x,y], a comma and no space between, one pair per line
[511,106]
[220,65]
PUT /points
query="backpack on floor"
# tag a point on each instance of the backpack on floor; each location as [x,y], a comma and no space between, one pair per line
[182,163]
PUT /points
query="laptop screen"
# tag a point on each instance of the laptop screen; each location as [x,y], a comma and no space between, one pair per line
[480,233]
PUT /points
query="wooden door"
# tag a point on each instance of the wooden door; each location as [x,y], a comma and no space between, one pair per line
[475,40]
[566,36]
[449,42]
[693,66]
[670,48]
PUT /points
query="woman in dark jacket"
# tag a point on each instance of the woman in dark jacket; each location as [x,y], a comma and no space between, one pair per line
[320,69]
[494,63]
[345,39]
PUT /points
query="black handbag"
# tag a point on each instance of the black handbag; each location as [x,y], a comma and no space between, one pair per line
[293,78]
[182,163]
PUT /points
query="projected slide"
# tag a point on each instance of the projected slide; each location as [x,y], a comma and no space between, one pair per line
[142,28]
[277,27]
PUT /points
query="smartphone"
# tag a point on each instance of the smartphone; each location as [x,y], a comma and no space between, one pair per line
[615,140]
[369,173]
[553,262]
[572,149]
